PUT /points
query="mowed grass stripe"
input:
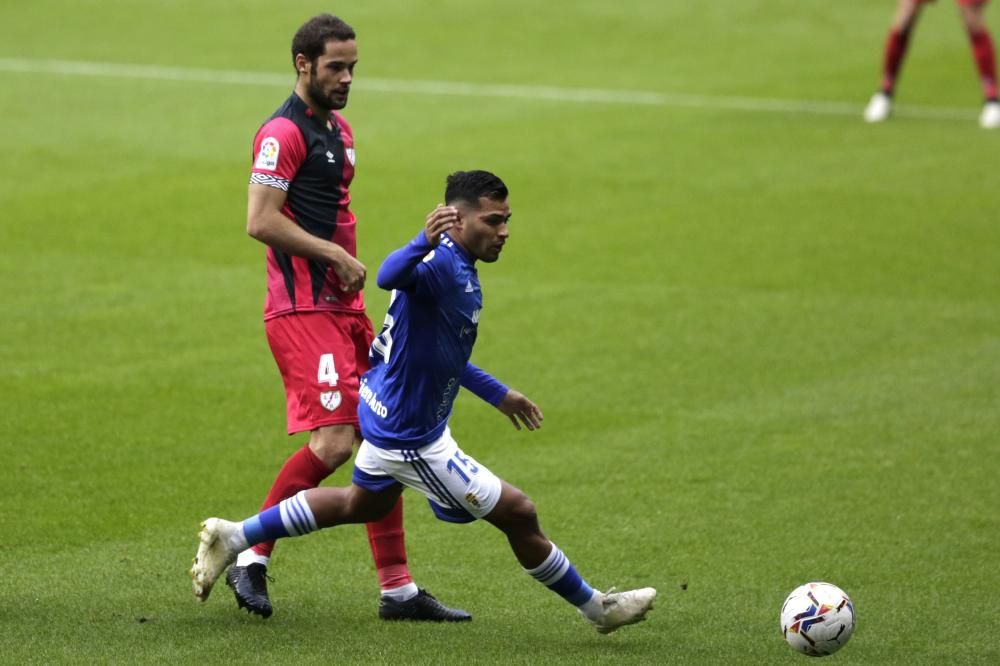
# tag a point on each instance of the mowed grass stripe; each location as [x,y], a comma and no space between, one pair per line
[467,89]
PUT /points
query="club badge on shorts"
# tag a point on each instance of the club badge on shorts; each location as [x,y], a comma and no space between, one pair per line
[330,400]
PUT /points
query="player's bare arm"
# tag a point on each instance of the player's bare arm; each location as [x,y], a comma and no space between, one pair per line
[517,407]
[266,223]
[440,220]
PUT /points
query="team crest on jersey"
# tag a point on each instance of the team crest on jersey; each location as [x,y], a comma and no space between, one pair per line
[330,400]
[267,158]
[350,155]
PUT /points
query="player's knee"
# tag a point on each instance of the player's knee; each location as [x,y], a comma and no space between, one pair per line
[521,512]
[333,445]
[514,513]
[974,23]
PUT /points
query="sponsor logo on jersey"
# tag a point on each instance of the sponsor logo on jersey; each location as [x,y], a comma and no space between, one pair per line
[370,398]
[430,255]
[267,158]
[447,397]
[472,499]
[330,400]
[350,155]
[329,157]
[468,287]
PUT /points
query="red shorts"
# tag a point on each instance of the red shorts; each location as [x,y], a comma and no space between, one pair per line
[321,356]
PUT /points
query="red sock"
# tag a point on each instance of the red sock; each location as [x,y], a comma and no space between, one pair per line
[895,51]
[986,62]
[385,536]
[303,470]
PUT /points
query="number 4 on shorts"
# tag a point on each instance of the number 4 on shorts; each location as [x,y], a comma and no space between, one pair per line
[327,370]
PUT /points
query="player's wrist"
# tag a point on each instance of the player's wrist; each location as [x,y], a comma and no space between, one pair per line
[423,240]
[337,256]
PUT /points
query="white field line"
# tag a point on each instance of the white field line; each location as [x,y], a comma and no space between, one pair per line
[454,88]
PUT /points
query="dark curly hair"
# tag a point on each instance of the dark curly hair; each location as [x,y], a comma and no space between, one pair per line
[468,186]
[310,40]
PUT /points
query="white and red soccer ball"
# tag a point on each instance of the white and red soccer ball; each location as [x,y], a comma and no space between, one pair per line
[817,619]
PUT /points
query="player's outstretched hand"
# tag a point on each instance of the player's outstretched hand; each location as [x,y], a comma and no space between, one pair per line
[439,220]
[351,272]
[521,410]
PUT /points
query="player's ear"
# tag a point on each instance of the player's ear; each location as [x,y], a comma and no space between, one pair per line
[302,64]
[460,222]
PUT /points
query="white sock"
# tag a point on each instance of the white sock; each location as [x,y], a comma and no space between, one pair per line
[593,609]
[558,574]
[401,593]
[238,540]
[250,556]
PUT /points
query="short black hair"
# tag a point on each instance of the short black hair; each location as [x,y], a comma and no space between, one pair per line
[310,40]
[468,186]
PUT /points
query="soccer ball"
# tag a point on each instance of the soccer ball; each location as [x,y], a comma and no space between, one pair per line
[817,619]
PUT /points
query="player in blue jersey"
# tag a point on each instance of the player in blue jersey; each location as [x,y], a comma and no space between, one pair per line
[419,361]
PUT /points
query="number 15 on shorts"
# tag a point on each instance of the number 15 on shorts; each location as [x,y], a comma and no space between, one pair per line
[454,468]
[327,370]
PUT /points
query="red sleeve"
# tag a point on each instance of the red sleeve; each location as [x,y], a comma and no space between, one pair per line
[278,152]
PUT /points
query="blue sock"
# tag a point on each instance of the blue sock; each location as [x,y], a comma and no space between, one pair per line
[290,517]
[559,575]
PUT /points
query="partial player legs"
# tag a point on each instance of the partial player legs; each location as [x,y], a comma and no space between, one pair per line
[309,510]
[221,540]
[353,504]
[984,55]
[385,535]
[879,108]
[385,538]
[461,489]
[382,511]
[329,447]
[515,516]
[513,513]
[896,43]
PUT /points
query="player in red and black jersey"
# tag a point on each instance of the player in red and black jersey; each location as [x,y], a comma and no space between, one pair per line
[314,314]
[903,24]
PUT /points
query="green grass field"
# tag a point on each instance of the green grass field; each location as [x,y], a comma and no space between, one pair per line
[766,340]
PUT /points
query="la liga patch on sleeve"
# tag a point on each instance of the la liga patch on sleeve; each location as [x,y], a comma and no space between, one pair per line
[267,158]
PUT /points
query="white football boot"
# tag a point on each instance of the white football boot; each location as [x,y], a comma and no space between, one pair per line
[879,108]
[622,608]
[216,552]
[990,117]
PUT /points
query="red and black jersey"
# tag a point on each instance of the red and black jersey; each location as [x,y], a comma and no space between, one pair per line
[313,160]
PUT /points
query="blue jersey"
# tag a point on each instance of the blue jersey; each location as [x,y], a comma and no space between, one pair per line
[421,356]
